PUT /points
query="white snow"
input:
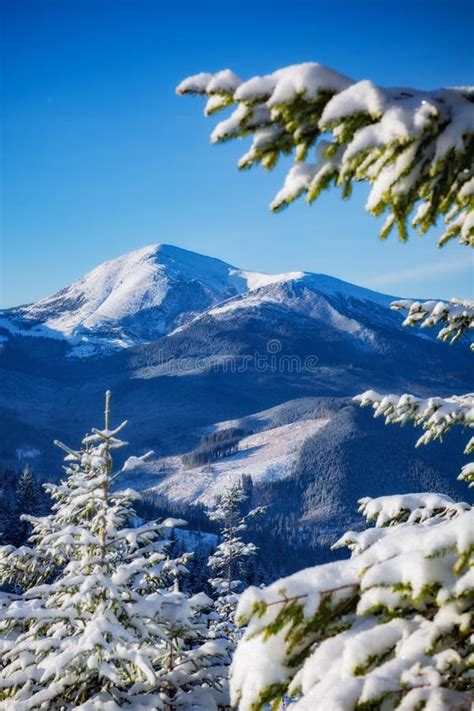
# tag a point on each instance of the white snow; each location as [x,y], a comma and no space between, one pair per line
[306,79]
[419,506]
[224,81]
[418,556]
[453,137]
[438,415]
[157,290]
[96,309]
[267,456]
[312,302]
[363,96]
[133,462]
[255,280]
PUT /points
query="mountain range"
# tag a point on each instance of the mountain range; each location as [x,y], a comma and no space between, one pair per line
[192,346]
[136,298]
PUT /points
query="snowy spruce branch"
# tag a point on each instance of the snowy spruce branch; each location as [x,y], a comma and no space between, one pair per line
[436,415]
[415,148]
[392,627]
[396,616]
[455,317]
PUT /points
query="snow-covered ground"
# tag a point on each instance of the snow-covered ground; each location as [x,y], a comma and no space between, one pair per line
[265,456]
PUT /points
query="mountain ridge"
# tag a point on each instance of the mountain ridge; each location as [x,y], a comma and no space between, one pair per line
[148,293]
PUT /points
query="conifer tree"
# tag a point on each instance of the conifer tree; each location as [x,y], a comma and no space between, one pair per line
[436,415]
[101,623]
[391,627]
[20,494]
[29,501]
[10,530]
[229,558]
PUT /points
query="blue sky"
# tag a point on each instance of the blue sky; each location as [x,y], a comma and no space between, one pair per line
[101,157]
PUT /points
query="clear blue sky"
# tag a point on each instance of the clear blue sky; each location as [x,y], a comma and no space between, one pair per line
[101,157]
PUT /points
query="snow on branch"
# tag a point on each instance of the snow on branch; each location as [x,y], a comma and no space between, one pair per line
[411,508]
[100,622]
[436,415]
[396,616]
[414,147]
[456,317]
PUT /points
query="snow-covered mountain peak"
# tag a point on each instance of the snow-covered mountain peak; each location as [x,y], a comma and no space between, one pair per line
[133,298]
[124,286]
[150,292]
[313,295]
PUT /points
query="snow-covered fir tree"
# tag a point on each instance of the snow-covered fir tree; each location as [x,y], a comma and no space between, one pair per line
[389,628]
[101,623]
[392,626]
[29,500]
[230,556]
[20,493]
[398,616]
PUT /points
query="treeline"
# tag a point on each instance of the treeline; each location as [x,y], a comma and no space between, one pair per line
[21,493]
[279,552]
[216,445]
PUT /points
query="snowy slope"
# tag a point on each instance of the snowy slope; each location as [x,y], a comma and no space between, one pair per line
[268,456]
[151,292]
[311,296]
[307,459]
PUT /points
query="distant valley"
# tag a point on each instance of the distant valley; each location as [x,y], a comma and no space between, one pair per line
[191,346]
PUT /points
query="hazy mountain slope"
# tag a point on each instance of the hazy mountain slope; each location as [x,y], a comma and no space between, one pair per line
[356,456]
[267,455]
[310,461]
[334,341]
